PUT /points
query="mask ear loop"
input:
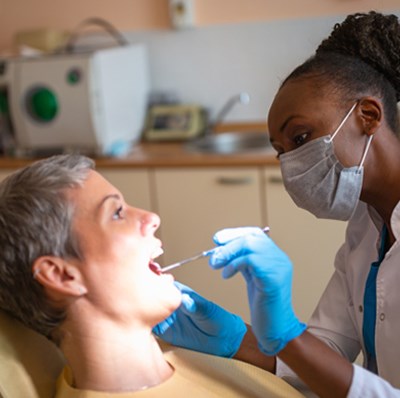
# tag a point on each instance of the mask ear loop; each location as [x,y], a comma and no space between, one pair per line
[365,153]
[330,139]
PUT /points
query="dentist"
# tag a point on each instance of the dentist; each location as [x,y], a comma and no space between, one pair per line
[334,123]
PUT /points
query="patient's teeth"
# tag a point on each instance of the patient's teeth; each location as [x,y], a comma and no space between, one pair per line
[157,252]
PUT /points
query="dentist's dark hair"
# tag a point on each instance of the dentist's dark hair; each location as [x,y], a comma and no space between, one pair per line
[360,57]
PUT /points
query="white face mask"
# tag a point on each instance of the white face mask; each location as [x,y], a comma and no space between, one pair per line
[317,182]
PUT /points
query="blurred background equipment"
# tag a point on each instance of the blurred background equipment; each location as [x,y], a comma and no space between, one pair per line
[181,13]
[174,122]
[44,39]
[91,101]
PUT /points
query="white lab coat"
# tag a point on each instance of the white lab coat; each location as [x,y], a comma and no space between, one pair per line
[338,318]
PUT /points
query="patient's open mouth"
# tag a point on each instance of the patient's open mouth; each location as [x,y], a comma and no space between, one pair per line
[155,267]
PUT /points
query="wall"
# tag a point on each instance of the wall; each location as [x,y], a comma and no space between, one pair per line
[17,15]
[210,64]
[221,56]
[211,12]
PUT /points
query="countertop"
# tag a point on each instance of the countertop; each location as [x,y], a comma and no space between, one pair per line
[174,154]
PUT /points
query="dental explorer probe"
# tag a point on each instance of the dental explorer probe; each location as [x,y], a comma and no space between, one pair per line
[195,257]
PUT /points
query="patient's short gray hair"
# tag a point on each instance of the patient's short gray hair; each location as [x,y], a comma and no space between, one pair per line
[35,220]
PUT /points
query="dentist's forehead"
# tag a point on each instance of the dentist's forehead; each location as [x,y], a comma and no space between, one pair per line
[297,97]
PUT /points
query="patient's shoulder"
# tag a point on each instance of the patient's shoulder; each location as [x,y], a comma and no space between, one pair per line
[227,377]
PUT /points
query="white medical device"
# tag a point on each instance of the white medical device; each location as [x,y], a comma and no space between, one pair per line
[93,102]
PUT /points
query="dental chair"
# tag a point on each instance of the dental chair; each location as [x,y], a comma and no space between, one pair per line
[29,363]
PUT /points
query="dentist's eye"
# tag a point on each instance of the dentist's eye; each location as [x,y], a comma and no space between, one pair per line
[119,213]
[300,139]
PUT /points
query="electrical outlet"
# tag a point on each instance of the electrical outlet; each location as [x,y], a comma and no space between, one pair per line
[181,13]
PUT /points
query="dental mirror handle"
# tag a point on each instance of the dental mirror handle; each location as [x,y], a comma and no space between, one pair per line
[195,257]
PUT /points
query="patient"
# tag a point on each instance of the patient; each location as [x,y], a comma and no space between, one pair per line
[76,265]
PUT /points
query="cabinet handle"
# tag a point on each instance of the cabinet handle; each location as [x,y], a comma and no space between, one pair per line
[275,180]
[234,180]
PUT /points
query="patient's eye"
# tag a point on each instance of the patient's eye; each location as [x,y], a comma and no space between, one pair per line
[119,213]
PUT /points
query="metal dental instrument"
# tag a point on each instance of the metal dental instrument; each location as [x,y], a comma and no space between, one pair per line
[187,260]
[195,257]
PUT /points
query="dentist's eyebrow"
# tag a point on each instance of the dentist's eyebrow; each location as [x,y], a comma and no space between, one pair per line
[285,123]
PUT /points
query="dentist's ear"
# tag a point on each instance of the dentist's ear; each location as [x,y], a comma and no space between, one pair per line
[58,277]
[371,114]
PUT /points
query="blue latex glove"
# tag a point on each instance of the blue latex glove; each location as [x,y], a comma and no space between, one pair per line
[268,274]
[201,325]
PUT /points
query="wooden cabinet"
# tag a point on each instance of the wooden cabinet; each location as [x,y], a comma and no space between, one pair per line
[4,173]
[311,243]
[134,184]
[193,205]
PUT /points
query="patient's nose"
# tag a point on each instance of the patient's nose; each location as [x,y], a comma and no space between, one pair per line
[150,222]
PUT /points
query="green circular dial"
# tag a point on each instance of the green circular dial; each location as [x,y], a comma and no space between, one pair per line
[73,76]
[43,104]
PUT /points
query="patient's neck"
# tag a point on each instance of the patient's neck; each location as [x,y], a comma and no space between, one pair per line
[105,356]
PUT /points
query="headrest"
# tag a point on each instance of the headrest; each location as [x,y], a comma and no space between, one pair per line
[29,363]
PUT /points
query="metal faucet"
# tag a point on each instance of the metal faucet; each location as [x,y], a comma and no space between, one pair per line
[242,98]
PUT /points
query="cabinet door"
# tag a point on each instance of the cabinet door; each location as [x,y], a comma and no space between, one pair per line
[5,172]
[193,205]
[311,243]
[133,184]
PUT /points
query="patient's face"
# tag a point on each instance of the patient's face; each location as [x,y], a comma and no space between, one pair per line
[118,243]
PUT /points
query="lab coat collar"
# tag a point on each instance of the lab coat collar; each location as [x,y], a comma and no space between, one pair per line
[394,220]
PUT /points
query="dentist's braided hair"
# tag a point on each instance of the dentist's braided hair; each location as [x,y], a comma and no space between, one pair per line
[360,57]
[374,38]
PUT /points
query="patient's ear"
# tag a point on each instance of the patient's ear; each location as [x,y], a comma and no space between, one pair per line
[58,277]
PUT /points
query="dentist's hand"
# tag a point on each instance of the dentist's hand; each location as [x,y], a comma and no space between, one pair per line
[268,274]
[200,325]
